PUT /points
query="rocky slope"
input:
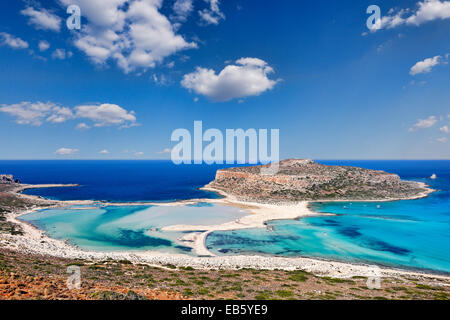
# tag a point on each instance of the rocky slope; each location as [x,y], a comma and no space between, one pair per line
[303,179]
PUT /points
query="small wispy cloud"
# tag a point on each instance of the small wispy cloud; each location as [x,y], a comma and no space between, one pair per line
[11,41]
[182,9]
[423,123]
[445,129]
[211,15]
[165,151]
[160,80]
[43,45]
[61,54]
[42,19]
[104,151]
[66,151]
[82,126]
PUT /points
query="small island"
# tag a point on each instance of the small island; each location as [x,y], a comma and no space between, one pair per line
[306,180]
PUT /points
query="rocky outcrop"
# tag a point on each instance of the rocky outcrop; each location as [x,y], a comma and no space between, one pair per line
[8,179]
[304,179]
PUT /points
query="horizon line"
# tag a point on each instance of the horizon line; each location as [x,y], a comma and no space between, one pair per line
[149,159]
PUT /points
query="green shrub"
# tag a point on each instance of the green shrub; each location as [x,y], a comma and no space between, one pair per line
[284,293]
[299,276]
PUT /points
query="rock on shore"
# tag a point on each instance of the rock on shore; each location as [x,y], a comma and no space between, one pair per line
[8,179]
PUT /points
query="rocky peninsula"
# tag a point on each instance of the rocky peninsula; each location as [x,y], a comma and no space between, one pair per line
[306,180]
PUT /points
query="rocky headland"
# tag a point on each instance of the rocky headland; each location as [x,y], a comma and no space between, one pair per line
[306,180]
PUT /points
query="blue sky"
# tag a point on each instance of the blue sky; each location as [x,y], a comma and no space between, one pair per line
[137,70]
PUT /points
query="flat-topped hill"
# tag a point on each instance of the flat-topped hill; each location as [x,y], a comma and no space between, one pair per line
[304,179]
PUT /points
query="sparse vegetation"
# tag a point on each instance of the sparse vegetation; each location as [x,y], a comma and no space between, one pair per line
[117,278]
[299,276]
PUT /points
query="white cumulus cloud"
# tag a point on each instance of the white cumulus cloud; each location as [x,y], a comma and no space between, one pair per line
[425,66]
[42,19]
[425,11]
[9,40]
[106,114]
[132,33]
[36,113]
[442,140]
[101,115]
[247,77]
[104,151]
[445,129]
[66,151]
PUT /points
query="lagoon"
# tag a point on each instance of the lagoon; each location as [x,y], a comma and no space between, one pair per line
[113,228]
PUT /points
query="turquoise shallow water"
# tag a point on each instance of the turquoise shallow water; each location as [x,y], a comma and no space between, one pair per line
[128,227]
[411,233]
[390,235]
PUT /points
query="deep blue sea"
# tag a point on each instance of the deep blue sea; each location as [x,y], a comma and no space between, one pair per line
[411,233]
[117,181]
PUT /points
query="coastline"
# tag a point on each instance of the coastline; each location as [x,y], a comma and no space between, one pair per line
[423,194]
[17,191]
[426,191]
[35,241]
